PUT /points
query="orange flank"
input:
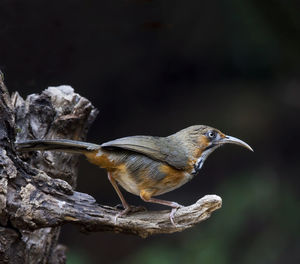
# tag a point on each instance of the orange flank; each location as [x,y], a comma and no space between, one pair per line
[173,176]
[100,160]
[173,179]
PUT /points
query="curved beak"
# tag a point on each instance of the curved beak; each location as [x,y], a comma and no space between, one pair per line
[233,140]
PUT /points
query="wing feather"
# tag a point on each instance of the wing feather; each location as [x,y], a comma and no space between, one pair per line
[157,148]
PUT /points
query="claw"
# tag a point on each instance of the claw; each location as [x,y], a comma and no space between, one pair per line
[124,212]
[172,214]
[128,209]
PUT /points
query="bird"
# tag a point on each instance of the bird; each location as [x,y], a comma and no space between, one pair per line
[146,166]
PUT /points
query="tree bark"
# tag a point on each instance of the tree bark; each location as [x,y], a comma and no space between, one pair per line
[37,189]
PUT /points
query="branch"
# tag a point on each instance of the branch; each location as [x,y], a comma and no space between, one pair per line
[49,210]
[31,200]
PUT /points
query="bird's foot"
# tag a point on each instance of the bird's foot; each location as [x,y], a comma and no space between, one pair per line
[123,212]
[175,206]
[128,209]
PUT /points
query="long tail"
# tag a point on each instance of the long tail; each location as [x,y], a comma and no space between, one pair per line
[64,145]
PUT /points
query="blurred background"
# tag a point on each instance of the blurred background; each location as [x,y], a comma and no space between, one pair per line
[154,67]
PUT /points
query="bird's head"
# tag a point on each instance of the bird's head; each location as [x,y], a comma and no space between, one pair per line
[202,140]
[210,137]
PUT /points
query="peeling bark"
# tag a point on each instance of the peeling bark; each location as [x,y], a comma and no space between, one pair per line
[37,189]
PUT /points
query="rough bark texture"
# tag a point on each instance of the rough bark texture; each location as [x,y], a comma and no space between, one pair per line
[34,205]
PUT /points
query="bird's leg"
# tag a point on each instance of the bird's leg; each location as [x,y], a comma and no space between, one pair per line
[124,203]
[145,196]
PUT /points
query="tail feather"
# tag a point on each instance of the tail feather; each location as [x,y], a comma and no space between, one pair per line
[64,145]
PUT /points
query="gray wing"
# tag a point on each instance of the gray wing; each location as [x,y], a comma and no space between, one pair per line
[157,148]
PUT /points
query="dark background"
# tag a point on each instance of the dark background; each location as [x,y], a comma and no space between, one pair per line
[155,67]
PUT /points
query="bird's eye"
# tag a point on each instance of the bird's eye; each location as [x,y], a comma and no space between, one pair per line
[212,134]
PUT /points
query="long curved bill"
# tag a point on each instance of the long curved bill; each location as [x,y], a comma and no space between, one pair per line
[233,140]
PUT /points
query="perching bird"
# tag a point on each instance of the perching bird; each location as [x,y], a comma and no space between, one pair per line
[145,165]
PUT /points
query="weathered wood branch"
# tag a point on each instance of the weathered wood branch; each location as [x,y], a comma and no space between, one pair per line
[34,205]
[56,209]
